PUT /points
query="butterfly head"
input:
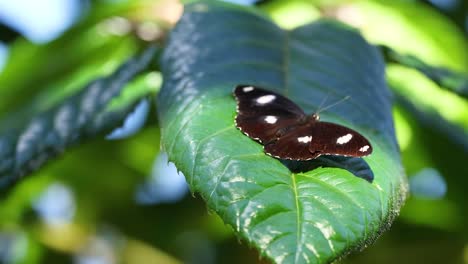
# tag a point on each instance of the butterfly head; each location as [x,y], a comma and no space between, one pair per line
[315,117]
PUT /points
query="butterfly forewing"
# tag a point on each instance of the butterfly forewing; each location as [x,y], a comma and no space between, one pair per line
[333,139]
[261,113]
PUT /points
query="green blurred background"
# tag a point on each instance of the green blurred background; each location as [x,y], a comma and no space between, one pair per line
[116,200]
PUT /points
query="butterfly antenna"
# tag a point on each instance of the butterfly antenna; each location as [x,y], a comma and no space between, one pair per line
[335,103]
[321,103]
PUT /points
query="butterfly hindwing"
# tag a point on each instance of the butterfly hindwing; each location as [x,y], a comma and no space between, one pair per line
[261,113]
[333,139]
[311,140]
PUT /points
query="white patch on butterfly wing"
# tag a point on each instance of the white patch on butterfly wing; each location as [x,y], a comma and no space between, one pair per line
[305,139]
[364,149]
[344,139]
[247,89]
[266,99]
[271,119]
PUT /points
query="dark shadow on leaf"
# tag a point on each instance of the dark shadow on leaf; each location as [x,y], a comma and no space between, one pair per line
[356,166]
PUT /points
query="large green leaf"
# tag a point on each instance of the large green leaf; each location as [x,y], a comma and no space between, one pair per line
[28,139]
[308,217]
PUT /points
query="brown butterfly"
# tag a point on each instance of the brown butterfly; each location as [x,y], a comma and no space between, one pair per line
[286,132]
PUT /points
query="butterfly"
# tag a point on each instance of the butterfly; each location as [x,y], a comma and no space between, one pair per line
[286,132]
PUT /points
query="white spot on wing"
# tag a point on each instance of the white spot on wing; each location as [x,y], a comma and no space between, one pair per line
[364,149]
[266,99]
[305,139]
[344,139]
[247,89]
[271,119]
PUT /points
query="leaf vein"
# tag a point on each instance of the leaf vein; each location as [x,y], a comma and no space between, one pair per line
[349,198]
[298,222]
[197,151]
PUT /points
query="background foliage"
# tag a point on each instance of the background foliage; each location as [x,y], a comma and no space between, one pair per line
[431,125]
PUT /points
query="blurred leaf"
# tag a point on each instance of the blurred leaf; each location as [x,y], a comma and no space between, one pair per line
[414,152]
[403,130]
[25,145]
[434,142]
[434,107]
[126,163]
[293,13]
[61,61]
[18,247]
[405,27]
[7,34]
[400,24]
[421,211]
[88,50]
[445,78]
[312,217]
[137,252]
[430,118]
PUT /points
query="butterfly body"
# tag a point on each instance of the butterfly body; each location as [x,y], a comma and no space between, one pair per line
[286,132]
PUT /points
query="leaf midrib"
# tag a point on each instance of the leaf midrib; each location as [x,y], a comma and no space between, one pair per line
[299,226]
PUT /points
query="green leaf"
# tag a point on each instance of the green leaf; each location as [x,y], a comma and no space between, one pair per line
[411,84]
[451,80]
[310,217]
[431,118]
[403,25]
[84,52]
[27,142]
